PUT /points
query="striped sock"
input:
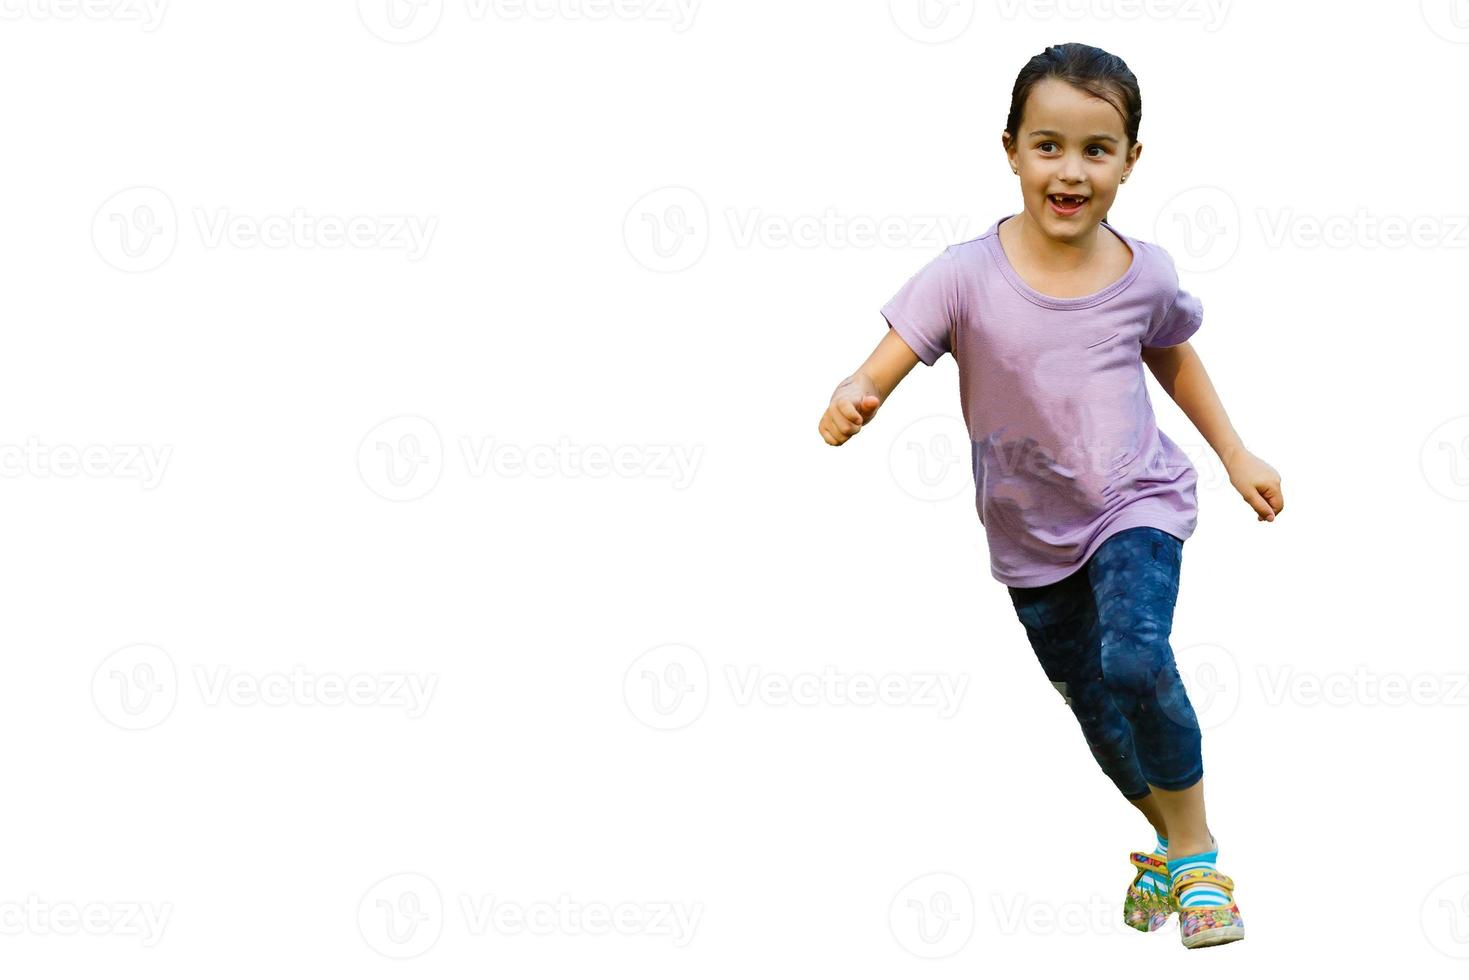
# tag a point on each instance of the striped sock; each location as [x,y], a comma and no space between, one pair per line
[1152,882]
[1200,894]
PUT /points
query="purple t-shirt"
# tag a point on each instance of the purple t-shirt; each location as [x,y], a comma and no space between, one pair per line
[1064,445]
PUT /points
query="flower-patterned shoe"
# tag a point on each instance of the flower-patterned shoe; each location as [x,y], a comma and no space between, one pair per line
[1146,909]
[1207,925]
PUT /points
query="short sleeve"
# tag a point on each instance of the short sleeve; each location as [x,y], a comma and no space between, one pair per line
[1178,323]
[925,310]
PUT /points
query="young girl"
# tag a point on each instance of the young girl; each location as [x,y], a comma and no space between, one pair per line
[1051,315]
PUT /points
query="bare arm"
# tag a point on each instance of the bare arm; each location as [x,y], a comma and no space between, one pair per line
[1181,374]
[858,397]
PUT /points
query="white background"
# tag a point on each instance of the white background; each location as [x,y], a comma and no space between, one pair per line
[320,512]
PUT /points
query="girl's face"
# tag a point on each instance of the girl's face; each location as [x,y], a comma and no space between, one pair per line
[1070,143]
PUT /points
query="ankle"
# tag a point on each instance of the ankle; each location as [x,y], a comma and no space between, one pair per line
[1185,846]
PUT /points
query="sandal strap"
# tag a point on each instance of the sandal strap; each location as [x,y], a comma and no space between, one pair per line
[1196,875]
[1149,862]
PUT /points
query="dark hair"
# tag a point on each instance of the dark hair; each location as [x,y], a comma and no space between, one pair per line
[1090,69]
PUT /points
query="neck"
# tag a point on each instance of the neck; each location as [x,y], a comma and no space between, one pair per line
[1062,255]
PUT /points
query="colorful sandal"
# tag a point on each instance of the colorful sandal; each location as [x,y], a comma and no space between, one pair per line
[1146,909]
[1207,925]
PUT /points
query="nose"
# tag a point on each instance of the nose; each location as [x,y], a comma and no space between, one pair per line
[1071,169]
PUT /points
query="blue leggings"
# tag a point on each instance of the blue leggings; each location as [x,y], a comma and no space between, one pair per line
[1101,635]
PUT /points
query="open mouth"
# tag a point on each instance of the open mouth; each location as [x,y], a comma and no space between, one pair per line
[1065,204]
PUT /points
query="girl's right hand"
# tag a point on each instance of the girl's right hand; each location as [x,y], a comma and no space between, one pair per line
[848,412]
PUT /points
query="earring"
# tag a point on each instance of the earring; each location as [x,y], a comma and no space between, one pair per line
[1124,178]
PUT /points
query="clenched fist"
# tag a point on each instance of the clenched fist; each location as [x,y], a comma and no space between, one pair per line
[852,406]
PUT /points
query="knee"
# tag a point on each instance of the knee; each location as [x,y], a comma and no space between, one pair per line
[1134,660]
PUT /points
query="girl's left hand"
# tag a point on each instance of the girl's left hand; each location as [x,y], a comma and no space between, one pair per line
[1258,483]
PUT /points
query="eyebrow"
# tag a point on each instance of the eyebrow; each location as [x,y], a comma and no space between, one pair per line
[1094,136]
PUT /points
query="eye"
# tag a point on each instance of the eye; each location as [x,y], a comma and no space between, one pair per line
[1097,146]
[1042,146]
